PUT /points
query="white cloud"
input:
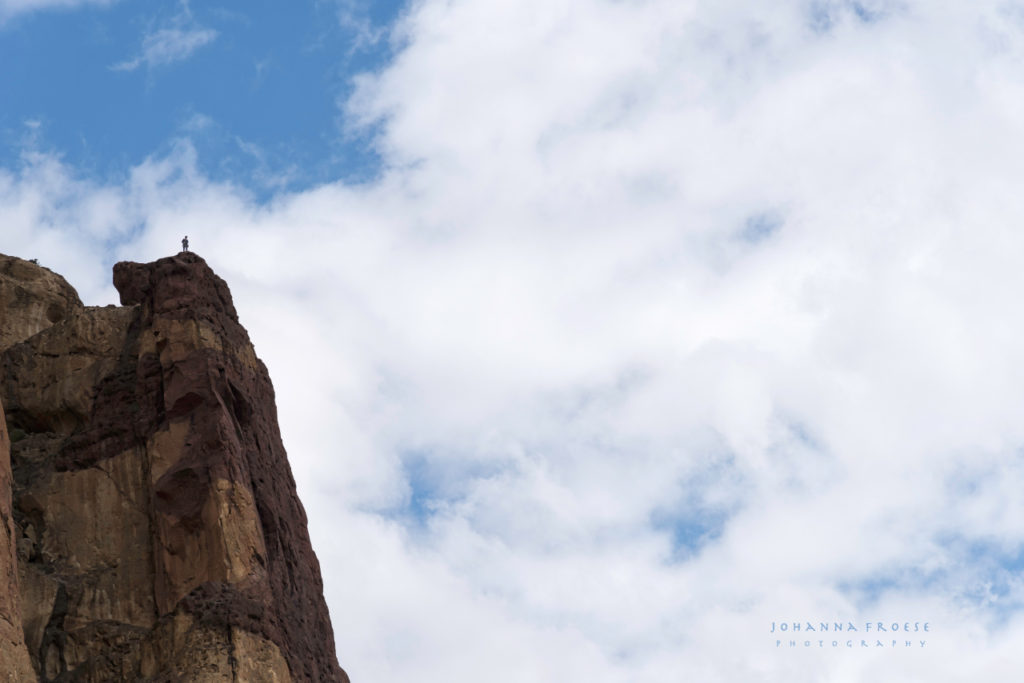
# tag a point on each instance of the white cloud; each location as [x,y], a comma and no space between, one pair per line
[167,46]
[546,327]
[171,43]
[11,8]
[362,33]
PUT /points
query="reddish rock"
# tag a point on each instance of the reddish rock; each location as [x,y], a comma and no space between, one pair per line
[161,537]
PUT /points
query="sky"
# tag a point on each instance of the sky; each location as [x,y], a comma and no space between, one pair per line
[606,334]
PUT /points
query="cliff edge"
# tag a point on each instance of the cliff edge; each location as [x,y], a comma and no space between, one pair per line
[152,527]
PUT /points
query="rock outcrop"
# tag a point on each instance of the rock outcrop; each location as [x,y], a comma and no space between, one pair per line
[153,531]
[31,299]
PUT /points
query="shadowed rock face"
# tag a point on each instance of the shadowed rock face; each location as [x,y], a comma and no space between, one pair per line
[155,524]
[14,659]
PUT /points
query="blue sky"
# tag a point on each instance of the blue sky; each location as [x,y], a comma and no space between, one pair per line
[612,331]
[255,85]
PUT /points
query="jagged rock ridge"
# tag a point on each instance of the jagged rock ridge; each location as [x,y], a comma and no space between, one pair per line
[153,528]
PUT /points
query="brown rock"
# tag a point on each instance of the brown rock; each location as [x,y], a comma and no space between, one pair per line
[31,299]
[14,659]
[160,536]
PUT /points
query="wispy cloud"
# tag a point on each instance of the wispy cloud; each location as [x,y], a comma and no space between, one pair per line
[11,8]
[168,45]
[174,42]
[361,30]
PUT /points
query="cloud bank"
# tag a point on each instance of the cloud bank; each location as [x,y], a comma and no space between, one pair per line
[664,321]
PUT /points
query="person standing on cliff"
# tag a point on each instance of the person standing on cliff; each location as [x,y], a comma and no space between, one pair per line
[184,243]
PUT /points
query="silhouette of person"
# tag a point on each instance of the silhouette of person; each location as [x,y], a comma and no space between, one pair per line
[184,243]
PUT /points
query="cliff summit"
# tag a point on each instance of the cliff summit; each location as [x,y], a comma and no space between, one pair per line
[151,526]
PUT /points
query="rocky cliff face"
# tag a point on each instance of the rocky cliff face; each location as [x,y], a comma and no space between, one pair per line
[152,531]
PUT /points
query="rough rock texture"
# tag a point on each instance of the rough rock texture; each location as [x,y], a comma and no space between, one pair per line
[14,660]
[31,299]
[155,522]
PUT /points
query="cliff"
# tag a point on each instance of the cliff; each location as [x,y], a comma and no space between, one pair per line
[152,531]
